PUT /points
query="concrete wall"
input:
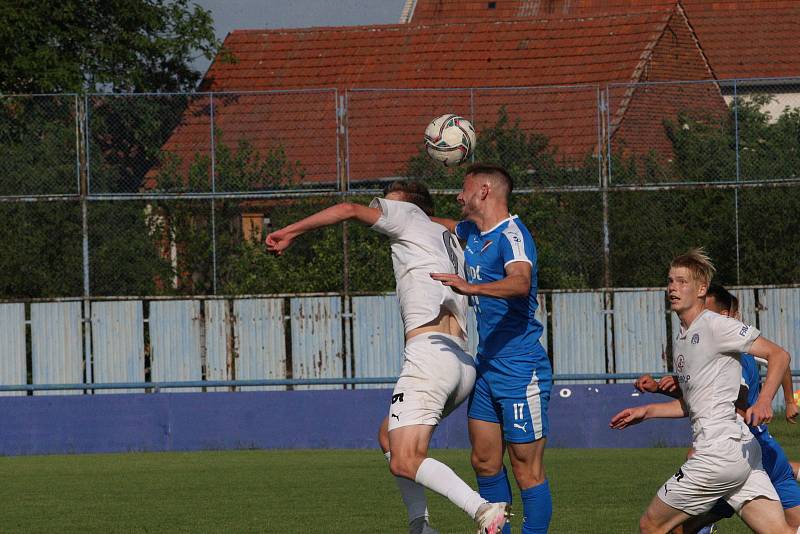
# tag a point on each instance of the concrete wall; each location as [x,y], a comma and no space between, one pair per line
[61,424]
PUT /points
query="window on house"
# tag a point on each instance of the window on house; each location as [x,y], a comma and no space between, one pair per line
[255,227]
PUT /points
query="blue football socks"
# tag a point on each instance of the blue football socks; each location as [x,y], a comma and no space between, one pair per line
[537,509]
[496,488]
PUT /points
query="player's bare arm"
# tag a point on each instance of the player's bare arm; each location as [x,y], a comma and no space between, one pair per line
[516,284]
[788,392]
[667,385]
[777,364]
[280,240]
[632,416]
[788,396]
[450,224]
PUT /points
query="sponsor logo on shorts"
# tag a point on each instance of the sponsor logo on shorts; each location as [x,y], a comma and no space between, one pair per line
[522,427]
[396,416]
[679,475]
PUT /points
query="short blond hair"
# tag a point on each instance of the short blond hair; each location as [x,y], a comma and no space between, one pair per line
[698,263]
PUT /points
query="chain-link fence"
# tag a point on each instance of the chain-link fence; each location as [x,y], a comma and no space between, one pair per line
[159,194]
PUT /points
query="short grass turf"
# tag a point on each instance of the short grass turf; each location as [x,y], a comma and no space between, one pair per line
[310,491]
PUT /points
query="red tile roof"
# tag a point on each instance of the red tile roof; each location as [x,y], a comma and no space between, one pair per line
[441,11]
[741,38]
[384,128]
[748,39]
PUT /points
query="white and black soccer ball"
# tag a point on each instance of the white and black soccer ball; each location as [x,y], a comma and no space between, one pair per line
[450,139]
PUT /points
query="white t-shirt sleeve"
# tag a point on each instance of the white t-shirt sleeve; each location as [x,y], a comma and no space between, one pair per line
[390,222]
[732,335]
[512,247]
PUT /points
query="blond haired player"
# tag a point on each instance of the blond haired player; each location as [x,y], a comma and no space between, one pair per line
[437,373]
[727,462]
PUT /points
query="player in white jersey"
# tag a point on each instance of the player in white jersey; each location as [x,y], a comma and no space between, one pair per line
[727,462]
[437,373]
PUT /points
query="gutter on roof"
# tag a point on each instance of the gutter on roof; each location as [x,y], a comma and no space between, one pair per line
[758,83]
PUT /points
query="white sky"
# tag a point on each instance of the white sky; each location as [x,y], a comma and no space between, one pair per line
[231,15]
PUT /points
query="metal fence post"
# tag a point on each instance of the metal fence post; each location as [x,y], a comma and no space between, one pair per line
[738,179]
[213,201]
[82,125]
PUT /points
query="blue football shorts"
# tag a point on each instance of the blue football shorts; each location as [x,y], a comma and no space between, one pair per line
[513,391]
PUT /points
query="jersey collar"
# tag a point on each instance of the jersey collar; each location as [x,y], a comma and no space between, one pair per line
[683,333]
[498,225]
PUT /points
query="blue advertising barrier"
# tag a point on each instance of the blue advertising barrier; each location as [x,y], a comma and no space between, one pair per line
[53,424]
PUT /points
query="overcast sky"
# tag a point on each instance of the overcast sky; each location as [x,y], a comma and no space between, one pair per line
[231,15]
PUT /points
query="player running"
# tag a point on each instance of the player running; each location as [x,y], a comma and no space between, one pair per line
[437,373]
[508,407]
[727,462]
[776,464]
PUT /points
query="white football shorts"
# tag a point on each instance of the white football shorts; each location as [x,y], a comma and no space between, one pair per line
[437,376]
[728,469]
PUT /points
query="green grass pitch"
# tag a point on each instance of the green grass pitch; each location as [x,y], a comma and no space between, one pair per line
[309,491]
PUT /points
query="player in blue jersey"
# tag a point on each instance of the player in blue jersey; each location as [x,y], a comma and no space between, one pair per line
[508,407]
[774,460]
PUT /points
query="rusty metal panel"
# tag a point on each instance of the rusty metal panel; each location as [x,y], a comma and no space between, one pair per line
[118,343]
[747,304]
[579,339]
[56,345]
[378,338]
[640,332]
[12,347]
[260,340]
[779,321]
[175,329]
[317,349]
[217,338]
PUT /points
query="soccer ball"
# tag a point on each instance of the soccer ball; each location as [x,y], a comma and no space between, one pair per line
[450,139]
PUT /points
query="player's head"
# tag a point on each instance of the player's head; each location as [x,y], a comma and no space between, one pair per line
[689,277]
[410,191]
[485,184]
[719,300]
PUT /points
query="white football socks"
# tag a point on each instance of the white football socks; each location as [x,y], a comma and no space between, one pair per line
[413,495]
[436,476]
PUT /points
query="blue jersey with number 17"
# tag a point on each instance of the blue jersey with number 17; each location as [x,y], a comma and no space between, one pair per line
[506,327]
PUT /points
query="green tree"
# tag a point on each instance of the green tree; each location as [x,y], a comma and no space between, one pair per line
[82,46]
[72,46]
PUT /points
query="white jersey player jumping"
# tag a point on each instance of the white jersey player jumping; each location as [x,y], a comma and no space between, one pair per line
[727,462]
[438,374]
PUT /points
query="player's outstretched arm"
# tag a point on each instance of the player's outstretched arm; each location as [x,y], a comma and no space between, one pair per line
[516,284]
[280,240]
[777,364]
[632,416]
[450,224]
[788,396]
[668,386]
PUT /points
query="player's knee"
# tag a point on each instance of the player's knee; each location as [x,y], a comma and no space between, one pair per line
[646,525]
[486,465]
[528,477]
[383,436]
[406,466]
